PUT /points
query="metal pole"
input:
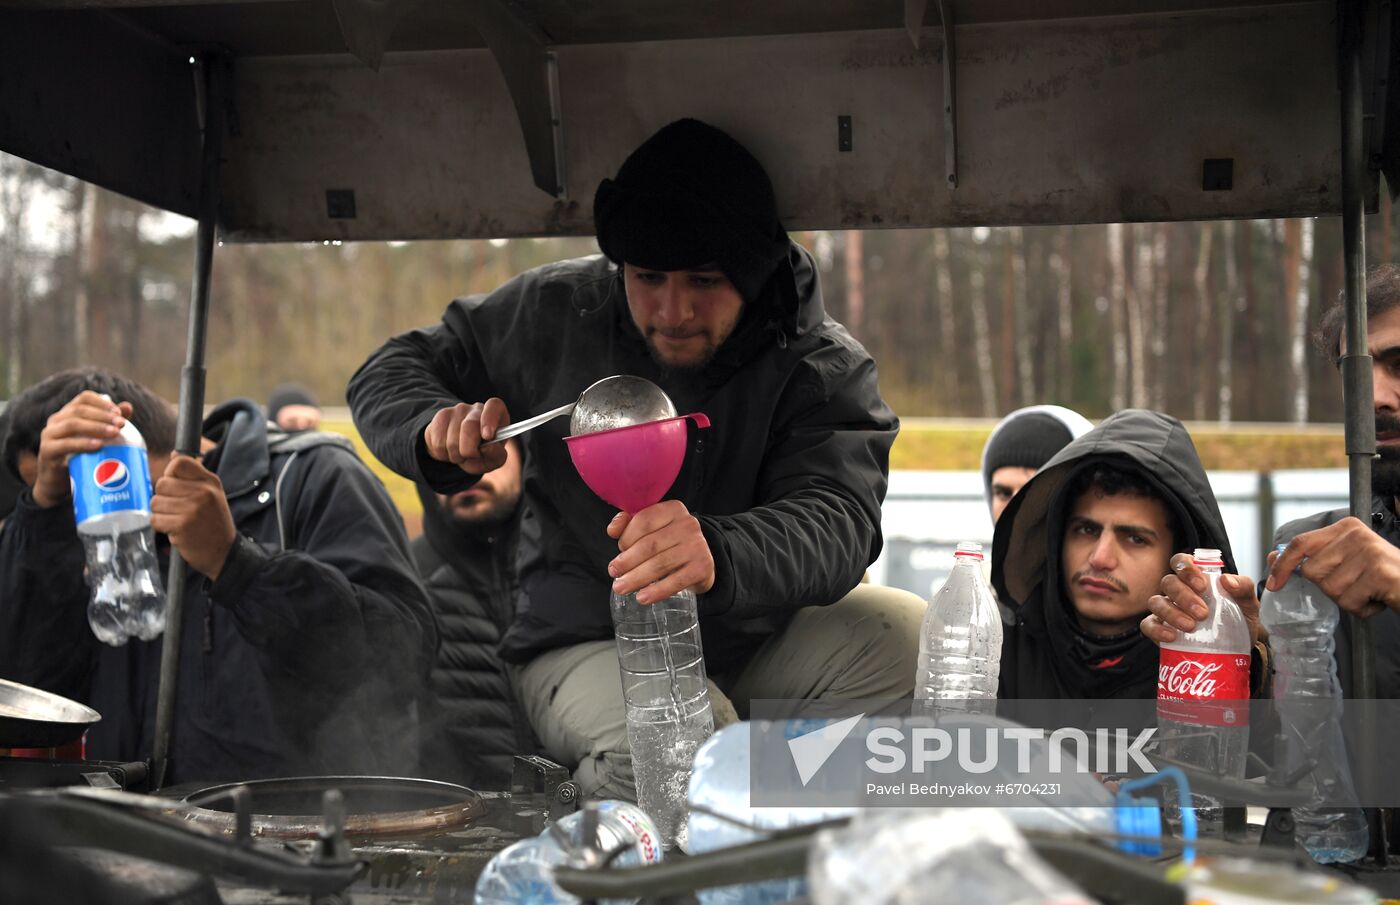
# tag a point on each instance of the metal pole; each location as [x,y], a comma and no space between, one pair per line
[1356,360]
[211,76]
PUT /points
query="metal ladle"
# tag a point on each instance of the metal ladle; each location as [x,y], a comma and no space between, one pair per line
[618,401]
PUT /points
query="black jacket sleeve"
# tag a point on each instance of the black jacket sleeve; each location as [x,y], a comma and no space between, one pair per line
[45,640]
[817,523]
[343,601]
[397,391]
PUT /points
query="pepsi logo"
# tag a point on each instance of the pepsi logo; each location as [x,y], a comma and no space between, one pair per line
[111,474]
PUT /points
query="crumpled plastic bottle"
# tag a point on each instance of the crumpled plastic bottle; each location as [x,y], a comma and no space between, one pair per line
[523,874]
[900,856]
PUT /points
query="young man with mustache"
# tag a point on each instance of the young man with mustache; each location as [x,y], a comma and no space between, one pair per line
[1084,545]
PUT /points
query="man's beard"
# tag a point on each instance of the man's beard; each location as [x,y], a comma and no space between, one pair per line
[671,370]
[481,523]
[1385,469]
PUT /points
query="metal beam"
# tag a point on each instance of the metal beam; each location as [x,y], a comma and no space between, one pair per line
[1055,125]
[91,96]
[950,95]
[531,74]
[914,20]
[367,26]
[212,76]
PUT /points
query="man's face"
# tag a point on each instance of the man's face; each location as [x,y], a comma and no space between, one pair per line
[1383,340]
[1116,550]
[685,315]
[297,417]
[1007,481]
[489,502]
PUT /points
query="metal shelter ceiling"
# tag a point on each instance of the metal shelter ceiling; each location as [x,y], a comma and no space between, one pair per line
[381,119]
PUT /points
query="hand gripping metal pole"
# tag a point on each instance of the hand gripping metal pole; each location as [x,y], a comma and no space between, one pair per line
[211,84]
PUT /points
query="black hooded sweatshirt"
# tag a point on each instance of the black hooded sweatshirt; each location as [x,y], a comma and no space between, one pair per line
[786,485]
[1044,653]
[306,656]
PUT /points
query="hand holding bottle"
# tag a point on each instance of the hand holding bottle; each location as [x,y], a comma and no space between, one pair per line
[86,424]
[1353,565]
[1179,606]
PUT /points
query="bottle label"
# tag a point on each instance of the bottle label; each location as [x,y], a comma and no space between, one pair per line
[647,845]
[1203,688]
[113,479]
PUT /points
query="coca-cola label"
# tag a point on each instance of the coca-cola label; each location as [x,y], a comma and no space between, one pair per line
[1203,688]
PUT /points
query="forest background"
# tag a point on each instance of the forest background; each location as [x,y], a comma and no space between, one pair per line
[1208,321]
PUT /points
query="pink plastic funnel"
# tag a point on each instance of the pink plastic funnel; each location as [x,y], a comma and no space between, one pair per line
[633,467]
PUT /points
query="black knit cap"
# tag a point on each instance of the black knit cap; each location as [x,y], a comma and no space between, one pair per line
[1026,442]
[692,196]
[288,394]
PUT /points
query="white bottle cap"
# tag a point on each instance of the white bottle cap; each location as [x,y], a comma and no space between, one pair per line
[1206,557]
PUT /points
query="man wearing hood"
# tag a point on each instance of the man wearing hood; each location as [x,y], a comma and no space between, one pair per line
[474,726]
[1083,547]
[776,513]
[306,636]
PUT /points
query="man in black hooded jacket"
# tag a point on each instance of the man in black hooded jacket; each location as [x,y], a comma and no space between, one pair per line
[474,725]
[307,636]
[1078,610]
[777,511]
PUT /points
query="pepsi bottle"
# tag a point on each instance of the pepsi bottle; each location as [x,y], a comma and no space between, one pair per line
[112,504]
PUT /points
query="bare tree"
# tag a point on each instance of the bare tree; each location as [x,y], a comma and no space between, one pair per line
[1301,298]
[16,193]
[1161,285]
[947,335]
[1233,306]
[1061,384]
[855,281]
[985,379]
[1118,291]
[1200,279]
[1025,372]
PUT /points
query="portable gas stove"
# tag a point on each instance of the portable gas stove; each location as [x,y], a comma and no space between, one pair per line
[75,825]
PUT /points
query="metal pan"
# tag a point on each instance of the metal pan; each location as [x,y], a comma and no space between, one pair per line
[30,718]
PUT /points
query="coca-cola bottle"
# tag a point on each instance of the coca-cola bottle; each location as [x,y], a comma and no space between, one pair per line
[1203,694]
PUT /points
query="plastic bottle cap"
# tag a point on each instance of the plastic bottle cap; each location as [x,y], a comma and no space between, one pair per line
[1205,556]
[969,549]
[1141,818]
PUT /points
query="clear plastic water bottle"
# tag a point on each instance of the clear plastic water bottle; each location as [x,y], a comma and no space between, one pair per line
[667,700]
[112,505]
[960,643]
[903,855]
[1301,619]
[1203,694]
[720,787]
[523,874]
[720,783]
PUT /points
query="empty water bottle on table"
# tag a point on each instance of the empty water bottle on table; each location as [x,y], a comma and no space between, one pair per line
[523,874]
[1203,694]
[719,784]
[112,505]
[905,855]
[667,701]
[1301,619]
[960,643]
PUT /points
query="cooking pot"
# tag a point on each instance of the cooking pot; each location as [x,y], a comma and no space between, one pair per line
[30,718]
